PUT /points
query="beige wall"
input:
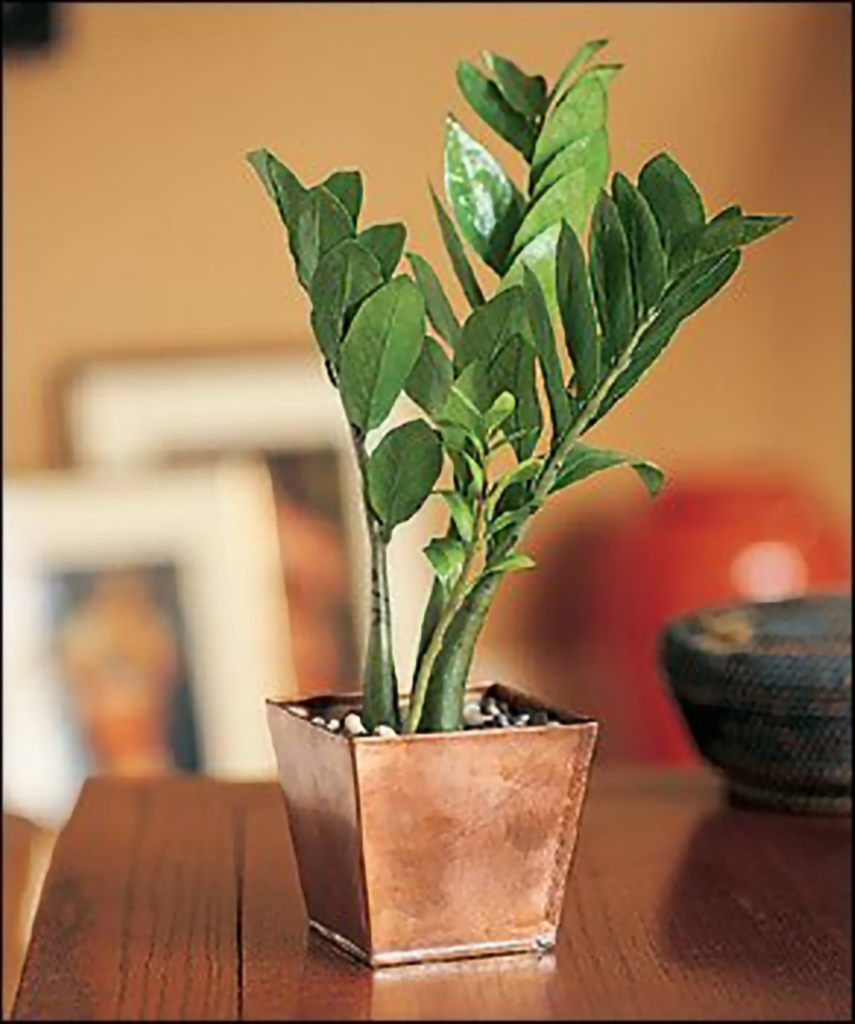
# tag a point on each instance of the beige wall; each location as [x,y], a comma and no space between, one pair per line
[132,223]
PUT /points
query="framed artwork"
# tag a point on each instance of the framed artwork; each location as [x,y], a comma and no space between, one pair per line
[142,627]
[283,410]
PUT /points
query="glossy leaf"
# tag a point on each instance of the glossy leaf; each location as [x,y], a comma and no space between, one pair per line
[320,222]
[674,200]
[430,379]
[514,563]
[468,396]
[486,204]
[583,461]
[402,472]
[345,276]
[346,186]
[489,326]
[590,152]
[524,471]
[490,105]
[582,111]
[577,311]
[439,310]
[547,352]
[611,278]
[282,185]
[646,255]
[498,413]
[539,257]
[447,556]
[507,520]
[755,227]
[579,59]
[386,241]
[379,351]
[604,72]
[459,262]
[461,515]
[525,93]
[566,200]
[512,369]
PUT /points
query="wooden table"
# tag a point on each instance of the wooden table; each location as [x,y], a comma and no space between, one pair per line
[178,900]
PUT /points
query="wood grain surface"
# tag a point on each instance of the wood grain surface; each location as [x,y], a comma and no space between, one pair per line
[178,899]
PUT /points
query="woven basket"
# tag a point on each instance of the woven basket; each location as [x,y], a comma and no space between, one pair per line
[766,692]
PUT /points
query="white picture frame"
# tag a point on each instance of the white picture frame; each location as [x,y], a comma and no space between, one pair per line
[214,526]
[127,413]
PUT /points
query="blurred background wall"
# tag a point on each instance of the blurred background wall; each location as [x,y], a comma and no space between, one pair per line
[132,223]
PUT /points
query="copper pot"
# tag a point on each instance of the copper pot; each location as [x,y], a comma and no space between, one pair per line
[433,846]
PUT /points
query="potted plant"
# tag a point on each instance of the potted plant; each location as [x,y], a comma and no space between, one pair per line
[442,824]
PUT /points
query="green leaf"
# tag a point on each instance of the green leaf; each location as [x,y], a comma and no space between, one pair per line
[582,111]
[567,200]
[590,152]
[604,72]
[583,461]
[379,350]
[447,556]
[498,412]
[489,326]
[344,277]
[729,229]
[467,398]
[646,256]
[755,227]
[697,287]
[320,222]
[579,59]
[525,93]
[486,204]
[611,278]
[539,256]
[439,310]
[674,200]
[526,470]
[402,471]
[346,186]
[386,241]
[491,106]
[282,185]
[430,379]
[577,310]
[461,265]
[461,515]
[506,520]
[515,563]
[512,369]
[547,352]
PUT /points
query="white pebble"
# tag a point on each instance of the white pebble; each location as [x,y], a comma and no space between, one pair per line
[520,719]
[298,710]
[353,725]
[473,716]
[317,720]
[554,721]
[384,730]
[333,725]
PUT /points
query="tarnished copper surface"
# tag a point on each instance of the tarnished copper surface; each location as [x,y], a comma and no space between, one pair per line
[434,846]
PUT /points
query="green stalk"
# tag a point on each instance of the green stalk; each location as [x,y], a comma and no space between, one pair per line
[379,681]
[443,705]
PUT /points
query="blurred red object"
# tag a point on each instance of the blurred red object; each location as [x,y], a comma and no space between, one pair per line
[701,543]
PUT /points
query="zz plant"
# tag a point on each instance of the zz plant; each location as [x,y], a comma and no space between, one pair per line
[509,392]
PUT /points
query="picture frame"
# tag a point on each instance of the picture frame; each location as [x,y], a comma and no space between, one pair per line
[142,628]
[269,404]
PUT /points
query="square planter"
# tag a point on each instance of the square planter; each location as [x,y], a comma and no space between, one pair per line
[433,846]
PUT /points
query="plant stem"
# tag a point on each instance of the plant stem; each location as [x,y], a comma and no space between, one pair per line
[459,593]
[379,681]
